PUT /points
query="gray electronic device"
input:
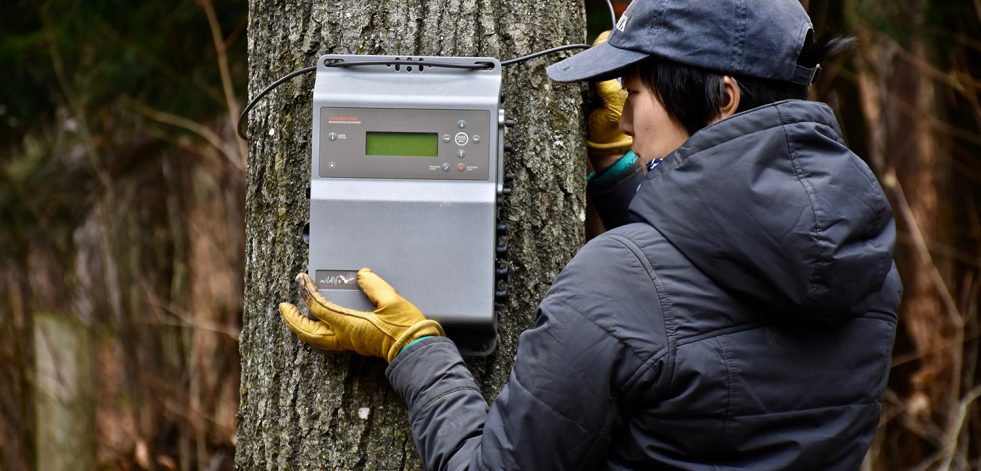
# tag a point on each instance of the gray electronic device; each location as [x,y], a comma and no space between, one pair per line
[407,169]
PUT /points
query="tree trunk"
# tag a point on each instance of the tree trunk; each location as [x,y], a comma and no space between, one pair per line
[306,409]
[64,393]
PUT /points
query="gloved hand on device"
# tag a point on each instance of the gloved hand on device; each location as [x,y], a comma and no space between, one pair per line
[384,332]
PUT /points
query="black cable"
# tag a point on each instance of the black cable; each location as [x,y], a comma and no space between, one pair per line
[313,68]
[340,63]
[241,117]
[613,14]
[546,51]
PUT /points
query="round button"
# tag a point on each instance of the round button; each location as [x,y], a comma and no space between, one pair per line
[462,138]
[461,124]
[461,153]
[461,167]
[332,136]
[445,167]
[475,138]
[446,138]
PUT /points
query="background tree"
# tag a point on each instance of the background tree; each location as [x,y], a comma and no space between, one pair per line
[305,409]
[121,233]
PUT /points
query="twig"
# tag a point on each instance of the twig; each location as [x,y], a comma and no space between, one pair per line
[942,250]
[186,324]
[226,76]
[950,438]
[909,109]
[77,108]
[904,359]
[919,242]
[953,312]
[928,70]
[209,327]
[197,128]
[925,430]
[152,61]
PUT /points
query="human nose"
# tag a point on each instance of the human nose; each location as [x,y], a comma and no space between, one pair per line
[626,121]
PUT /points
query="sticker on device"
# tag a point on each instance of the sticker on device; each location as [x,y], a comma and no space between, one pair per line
[343,120]
[337,279]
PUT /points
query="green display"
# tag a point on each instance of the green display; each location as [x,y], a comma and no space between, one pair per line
[401,144]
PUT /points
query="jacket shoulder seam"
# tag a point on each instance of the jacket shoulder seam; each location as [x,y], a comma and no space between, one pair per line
[665,304]
[720,332]
[817,229]
[610,333]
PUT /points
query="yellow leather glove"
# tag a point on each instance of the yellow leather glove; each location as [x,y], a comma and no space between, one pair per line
[381,333]
[605,141]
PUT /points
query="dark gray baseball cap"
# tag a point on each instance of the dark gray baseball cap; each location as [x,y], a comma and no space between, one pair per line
[757,38]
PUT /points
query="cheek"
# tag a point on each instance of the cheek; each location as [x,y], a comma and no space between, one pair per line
[656,134]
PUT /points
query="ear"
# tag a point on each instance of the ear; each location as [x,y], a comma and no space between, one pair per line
[731,95]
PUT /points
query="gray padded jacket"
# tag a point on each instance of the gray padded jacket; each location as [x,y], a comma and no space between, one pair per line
[745,320]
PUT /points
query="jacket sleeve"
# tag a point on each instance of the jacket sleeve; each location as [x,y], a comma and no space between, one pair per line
[556,412]
[612,196]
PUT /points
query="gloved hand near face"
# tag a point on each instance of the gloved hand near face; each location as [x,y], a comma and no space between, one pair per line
[383,333]
[605,142]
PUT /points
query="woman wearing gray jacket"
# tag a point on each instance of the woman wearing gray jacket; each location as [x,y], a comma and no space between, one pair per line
[740,311]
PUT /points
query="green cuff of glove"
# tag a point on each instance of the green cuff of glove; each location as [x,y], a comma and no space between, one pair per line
[413,343]
[625,162]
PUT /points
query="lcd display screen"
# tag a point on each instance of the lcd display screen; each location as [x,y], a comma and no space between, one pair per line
[401,144]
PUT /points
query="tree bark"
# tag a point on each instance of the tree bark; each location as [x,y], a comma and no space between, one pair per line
[306,409]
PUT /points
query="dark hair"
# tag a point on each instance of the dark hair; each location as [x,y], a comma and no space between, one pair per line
[693,96]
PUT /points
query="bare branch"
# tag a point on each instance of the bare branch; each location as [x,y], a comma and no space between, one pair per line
[76,107]
[891,182]
[950,438]
[226,77]
[187,124]
[900,360]
[184,320]
[923,429]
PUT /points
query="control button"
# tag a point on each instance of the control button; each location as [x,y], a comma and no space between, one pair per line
[461,153]
[462,138]
[461,167]
[461,124]
[475,138]
[446,138]
[445,167]
[332,136]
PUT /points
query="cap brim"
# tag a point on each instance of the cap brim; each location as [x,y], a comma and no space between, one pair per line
[602,61]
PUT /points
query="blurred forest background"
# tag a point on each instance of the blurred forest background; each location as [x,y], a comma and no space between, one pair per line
[122,235]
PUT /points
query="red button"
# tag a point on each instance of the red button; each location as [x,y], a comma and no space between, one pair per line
[461,167]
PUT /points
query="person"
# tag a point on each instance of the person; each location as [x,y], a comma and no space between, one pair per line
[738,313]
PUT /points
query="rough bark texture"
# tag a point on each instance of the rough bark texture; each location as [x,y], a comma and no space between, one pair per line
[306,409]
